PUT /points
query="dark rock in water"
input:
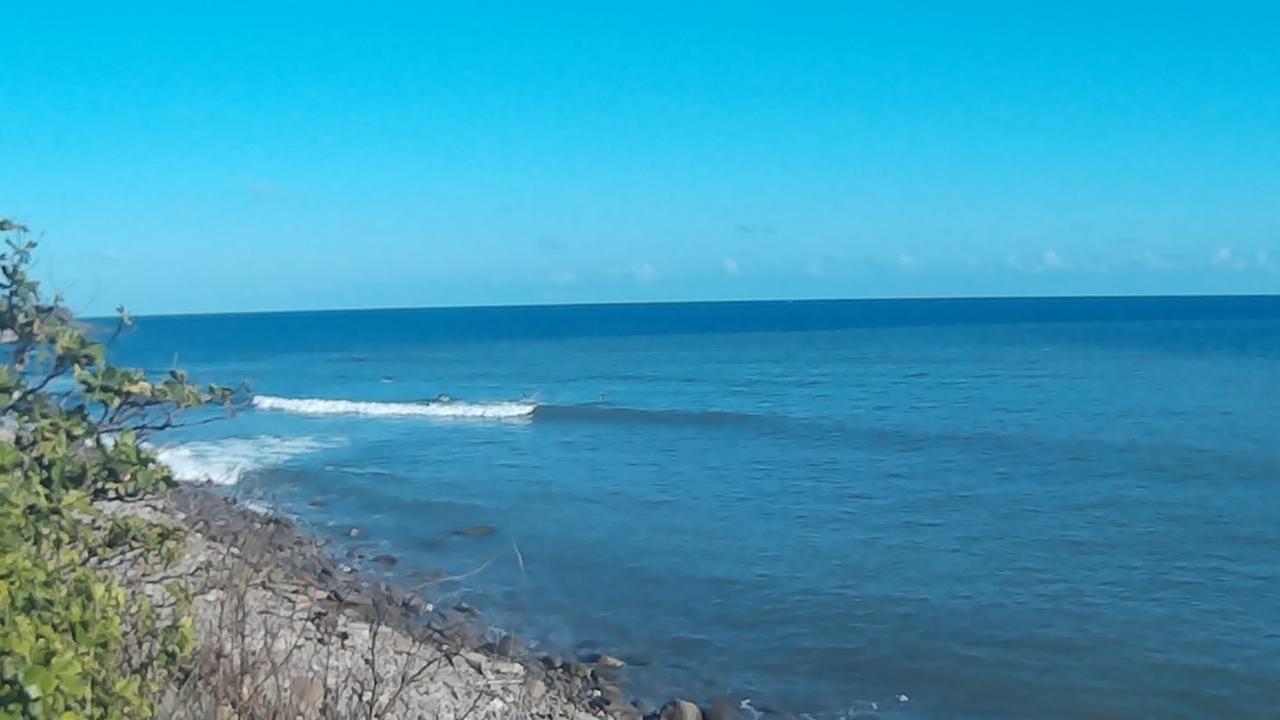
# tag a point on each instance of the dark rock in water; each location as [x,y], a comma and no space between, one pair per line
[579,669]
[413,605]
[680,710]
[507,646]
[317,504]
[466,609]
[475,531]
[602,675]
[388,560]
[608,661]
[723,709]
[552,662]
[612,693]
[624,712]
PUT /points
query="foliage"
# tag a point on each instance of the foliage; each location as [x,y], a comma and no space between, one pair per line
[72,643]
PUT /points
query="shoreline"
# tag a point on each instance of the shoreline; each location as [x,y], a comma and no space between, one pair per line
[272,602]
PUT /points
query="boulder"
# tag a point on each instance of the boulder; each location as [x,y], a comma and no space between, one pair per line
[679,710]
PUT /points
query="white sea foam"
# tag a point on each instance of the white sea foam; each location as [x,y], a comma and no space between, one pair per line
[316,406]
[225,462]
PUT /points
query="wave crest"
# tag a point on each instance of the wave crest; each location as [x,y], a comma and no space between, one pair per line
[226,462]
[317,406]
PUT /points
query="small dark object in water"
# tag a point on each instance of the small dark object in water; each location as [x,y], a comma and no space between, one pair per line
[317,504]
[388,560]
[475,531]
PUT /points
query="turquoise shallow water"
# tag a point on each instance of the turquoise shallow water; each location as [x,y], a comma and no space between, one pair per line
[1007,508]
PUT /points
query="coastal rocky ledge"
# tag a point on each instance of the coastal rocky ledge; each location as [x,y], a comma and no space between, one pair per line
[286,631]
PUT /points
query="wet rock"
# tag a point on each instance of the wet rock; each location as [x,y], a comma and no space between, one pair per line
[388,560]
[466,609]
[475,531]
[724,709]
[353,533]
[351,597]
[579,669]
[414,605]
[552,662]
[610,662]
[624,712]
[612,693]
[507,646]
[318,504]
[679,710]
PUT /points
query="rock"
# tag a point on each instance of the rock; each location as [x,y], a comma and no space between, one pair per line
[353,533]
[679,710]
[624,712]
[552,662]
[351,598]
[612,693]
[308,697]
[504,667]
[414,605]
[507,646]
[317,504]
[384,559]
[723,709]
[536,689]
[475,660]
[475,531]
[579,669]
[609,661]
[466,609]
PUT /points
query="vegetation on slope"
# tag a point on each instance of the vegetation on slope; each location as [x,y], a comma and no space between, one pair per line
[72,643]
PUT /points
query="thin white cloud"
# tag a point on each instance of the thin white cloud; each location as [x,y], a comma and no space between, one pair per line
[643,272]
[1051,260]
[731,266]
[1227,259]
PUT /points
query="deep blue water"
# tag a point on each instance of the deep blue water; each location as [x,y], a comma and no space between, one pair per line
[996,508]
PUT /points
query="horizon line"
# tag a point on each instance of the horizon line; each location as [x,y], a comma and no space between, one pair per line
[647,303]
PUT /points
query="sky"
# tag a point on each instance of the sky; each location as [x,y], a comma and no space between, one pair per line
[240,157]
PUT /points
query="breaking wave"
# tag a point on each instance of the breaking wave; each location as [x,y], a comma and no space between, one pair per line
[316,406]
[226,462]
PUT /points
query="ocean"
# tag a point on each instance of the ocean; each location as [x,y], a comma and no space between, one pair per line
[1049,508]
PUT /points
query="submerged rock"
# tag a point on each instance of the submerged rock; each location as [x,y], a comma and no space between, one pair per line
[388,560]
[609,661]
[724,709]
[507,646]
[680,710]
[475,531]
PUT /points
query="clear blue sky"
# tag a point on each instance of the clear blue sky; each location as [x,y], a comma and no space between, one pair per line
[243,157]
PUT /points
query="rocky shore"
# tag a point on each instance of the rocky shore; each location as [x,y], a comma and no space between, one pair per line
[287,631]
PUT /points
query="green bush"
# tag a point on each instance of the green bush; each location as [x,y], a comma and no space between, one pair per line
[73,644]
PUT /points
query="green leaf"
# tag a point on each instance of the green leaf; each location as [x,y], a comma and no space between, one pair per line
[37,681]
